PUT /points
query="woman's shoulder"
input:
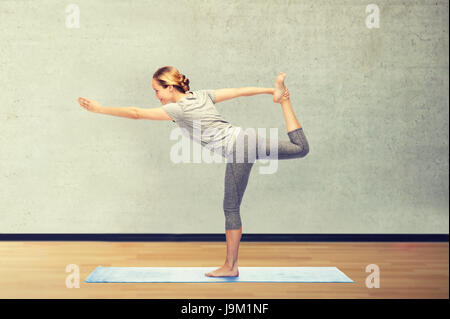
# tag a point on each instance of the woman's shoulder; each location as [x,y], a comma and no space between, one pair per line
[207,94]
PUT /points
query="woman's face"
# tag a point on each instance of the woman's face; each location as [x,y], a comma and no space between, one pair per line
[162,94]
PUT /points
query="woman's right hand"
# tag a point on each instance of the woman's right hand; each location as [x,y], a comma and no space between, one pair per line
[285,95]
[88,104]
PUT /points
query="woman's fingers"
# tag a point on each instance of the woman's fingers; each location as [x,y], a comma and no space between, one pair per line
[86,103]
[82,101]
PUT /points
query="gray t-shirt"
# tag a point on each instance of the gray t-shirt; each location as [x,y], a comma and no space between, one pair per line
[198,115]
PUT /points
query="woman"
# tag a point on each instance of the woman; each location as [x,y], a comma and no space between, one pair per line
[187,108]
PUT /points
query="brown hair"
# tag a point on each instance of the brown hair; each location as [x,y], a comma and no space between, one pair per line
[168,75]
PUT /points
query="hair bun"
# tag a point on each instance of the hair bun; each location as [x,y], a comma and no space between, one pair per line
[168,75]
[184,83]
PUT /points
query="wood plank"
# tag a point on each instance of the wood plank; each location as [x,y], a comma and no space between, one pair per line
[407,270]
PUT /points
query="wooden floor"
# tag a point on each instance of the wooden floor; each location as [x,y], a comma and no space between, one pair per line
[407,270]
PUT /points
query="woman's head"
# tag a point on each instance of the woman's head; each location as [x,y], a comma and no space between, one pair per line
[169,84]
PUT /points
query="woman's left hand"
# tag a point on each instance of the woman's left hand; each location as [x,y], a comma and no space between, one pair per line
[88,104]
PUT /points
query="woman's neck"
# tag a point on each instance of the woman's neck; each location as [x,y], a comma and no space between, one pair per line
[181,96]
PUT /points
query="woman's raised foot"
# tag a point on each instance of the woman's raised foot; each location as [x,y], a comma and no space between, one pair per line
[280,88]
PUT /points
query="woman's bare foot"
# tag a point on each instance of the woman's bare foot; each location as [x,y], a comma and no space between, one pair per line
[224,271]
[280,88]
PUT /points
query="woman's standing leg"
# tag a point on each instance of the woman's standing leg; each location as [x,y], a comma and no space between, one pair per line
[237,174]
[236,180]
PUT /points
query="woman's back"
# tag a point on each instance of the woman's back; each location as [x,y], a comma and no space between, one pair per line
[198,115]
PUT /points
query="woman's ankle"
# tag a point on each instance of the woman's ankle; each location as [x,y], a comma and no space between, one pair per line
[231,264]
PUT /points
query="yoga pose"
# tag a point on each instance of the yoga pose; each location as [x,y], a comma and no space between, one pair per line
[185,107]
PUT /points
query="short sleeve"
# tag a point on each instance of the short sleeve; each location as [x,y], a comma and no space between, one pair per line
[212,95]
[174,110]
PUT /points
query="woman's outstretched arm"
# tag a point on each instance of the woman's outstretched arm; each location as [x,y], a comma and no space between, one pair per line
[95,107]
[130,112]
[227,94]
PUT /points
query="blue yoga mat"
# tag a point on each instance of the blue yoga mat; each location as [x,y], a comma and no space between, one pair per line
[197,274]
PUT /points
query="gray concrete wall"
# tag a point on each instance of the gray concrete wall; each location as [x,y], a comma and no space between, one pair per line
[373,103]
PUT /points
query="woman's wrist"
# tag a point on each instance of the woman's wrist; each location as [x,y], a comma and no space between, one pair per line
[97,109]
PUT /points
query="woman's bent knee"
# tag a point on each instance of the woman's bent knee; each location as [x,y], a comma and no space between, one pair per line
[304,151]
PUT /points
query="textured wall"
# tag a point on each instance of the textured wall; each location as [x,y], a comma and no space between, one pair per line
[373,103]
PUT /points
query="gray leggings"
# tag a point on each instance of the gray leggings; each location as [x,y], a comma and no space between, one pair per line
[238,169]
